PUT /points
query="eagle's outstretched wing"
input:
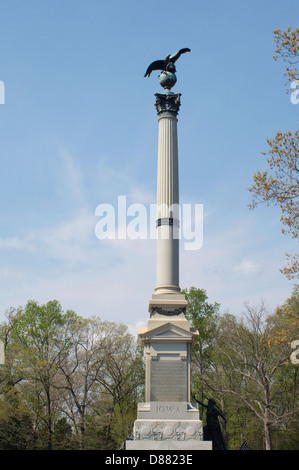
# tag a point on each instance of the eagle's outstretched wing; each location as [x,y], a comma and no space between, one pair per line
[174,57]
[156,65]
[161,64]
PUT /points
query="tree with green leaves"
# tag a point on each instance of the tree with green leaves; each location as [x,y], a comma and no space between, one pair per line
[16,422]
[93,341]
[287,49]
[279,183]
[75,380]
[121,384]
[203,316]
[35,337]
[254,351]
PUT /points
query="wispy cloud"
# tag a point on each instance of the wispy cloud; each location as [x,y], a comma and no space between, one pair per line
[247,268]
[70,175]
[67,241]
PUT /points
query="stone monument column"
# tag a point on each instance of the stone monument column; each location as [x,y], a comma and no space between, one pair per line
[167,298]
[167,419]
[167,277]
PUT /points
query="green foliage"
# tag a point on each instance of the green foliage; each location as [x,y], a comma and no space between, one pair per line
[16,423]
[63,436]
[16,433]
[69,374]
[74,383]
[202,316]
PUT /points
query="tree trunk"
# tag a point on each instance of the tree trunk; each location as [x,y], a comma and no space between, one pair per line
[82,437]
[49,419]
[267,427]
[82,428]
[267,435]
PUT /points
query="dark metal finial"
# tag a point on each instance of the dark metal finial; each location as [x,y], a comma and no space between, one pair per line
[167,64]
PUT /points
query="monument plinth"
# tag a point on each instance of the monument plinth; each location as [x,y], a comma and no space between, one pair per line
[167,419]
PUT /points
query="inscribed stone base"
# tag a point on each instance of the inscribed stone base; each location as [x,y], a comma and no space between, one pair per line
[168,444]
[160,410]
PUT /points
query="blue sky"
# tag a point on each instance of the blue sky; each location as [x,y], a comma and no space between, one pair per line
[79,128]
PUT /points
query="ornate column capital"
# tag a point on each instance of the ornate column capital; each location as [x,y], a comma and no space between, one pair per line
[167,103]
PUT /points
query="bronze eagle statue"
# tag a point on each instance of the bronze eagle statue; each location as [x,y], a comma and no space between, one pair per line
[166,64]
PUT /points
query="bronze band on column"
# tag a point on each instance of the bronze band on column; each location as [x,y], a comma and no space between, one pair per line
[167,221]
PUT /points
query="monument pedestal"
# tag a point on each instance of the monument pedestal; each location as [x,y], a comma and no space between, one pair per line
[167,342]
[189,445]
[167,420]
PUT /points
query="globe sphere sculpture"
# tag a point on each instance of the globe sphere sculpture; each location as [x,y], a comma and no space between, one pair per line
[167,80]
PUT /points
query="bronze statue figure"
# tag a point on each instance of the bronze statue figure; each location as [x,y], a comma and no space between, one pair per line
[166,64]
[212,431]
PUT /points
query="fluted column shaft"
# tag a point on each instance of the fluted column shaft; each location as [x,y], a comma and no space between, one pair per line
[167,274]
[167,178]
